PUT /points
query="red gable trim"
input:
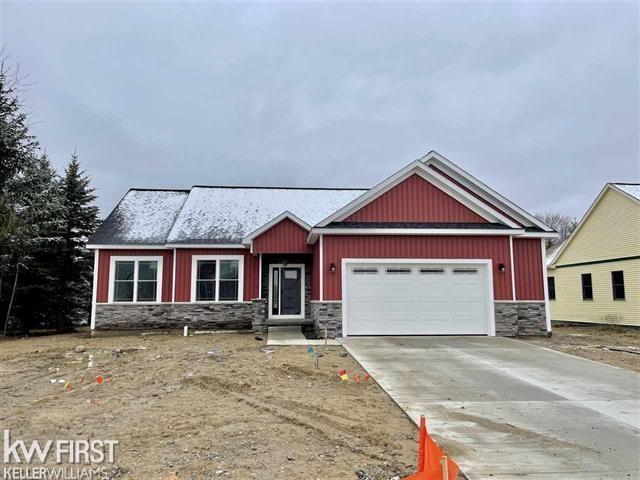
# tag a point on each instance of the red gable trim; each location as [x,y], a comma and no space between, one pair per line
[415,200]
[284,237]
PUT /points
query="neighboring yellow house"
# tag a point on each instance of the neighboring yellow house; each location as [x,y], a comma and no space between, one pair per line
[594,276]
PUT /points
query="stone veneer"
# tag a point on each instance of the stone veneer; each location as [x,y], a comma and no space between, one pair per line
[234,316]
[520,318]
[329,315]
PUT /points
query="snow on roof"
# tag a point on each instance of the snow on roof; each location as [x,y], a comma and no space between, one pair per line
[141,217]
[224,215]
[632,189]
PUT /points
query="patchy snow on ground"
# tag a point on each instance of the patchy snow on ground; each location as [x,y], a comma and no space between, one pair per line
[227,214]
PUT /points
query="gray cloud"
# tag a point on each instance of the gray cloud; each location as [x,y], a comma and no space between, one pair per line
[538,100]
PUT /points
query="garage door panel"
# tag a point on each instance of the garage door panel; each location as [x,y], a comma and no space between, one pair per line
[432,299]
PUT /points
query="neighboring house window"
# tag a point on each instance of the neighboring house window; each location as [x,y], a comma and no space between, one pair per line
[551,284]
[617,282]
[216,278]
[587,288]
[135,279]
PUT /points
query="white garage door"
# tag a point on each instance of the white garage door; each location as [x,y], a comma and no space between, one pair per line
[416,299]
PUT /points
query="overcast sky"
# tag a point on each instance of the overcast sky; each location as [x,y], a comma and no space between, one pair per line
[540,101]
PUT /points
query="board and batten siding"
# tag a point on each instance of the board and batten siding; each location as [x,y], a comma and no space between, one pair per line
[183,271]
[527,265]
[285,237]
[415,200]
[104,263]
[337,247]
[611,231]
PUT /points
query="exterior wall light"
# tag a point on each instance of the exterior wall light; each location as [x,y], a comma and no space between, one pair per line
[501,267]
[332,267]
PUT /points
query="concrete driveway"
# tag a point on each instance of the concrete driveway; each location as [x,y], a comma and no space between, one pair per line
[504,408]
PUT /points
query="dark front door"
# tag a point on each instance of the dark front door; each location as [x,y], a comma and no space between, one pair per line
[290,295]
[286,291]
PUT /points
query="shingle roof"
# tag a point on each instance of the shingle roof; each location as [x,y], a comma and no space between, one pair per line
[211,215]
[632,189]
[227,214]
[143,217]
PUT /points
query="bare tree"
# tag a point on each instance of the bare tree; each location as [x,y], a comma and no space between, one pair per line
[561,223]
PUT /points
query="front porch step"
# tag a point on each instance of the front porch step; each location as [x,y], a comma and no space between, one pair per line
[274,322]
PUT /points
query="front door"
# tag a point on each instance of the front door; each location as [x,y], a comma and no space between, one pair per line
[286,292]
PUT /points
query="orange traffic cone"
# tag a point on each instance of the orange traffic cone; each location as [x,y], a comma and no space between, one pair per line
[432,463]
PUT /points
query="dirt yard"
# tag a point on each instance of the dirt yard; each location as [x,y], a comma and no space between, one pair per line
[239,412]
[602,344]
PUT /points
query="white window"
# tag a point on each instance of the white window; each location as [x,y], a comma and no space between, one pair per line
[465,271]
[216,278]
[432,271]
[398,270]
[135,279]
[365,270]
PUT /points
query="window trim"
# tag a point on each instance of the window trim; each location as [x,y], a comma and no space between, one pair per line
[582,277]
[136,259]
[613,287]
[217,258]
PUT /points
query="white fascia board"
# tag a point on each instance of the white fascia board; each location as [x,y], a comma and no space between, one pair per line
[437,180]
[410,231]
[205,245]
[582,221]
[540,235]
[95,246]
[482,189]
[272,223]
[369,195]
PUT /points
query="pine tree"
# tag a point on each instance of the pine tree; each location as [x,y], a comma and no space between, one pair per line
[35,200]
[80,220]
[17,147]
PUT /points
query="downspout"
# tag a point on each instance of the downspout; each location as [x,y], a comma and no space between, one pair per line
[94,291]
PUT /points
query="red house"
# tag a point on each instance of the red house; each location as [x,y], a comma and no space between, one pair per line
[429,250]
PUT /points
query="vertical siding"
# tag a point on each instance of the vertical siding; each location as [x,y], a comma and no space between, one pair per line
[285,237]
[527,259]
[415,200]
[468,190]
[183,271]
[337,247]
[104,262]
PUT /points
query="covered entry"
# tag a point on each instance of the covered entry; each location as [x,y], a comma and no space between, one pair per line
[413,297]
[286,291]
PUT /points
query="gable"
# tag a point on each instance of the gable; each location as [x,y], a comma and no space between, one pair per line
[415,200]
[284,237]
[610,230]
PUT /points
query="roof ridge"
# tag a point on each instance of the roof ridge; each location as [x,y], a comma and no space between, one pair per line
[625,183]
[143,189]
[277,188]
